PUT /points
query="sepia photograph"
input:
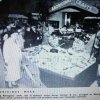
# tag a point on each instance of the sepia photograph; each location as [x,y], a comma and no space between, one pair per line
[49,43]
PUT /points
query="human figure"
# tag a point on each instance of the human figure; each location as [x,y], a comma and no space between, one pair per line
[63,30]
[27,36]
[49,29]
[78,30]
[12,57]
[39,31]
[54,40]
[20,39]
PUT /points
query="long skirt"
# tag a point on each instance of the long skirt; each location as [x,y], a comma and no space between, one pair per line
[13,72]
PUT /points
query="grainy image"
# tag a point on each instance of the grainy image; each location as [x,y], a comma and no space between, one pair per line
[49,43]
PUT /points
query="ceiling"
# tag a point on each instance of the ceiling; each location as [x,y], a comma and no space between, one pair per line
[24,6]
[28,6]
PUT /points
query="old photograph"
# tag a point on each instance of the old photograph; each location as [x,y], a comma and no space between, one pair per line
[49,43]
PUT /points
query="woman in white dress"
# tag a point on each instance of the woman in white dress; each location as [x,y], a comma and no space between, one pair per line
[12,56]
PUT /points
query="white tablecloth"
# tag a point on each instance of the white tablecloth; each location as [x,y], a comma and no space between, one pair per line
[63,63]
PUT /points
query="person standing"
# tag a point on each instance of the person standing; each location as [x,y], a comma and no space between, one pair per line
[54,41]
[78,30]
[12,57]
[49,29]
[20,39]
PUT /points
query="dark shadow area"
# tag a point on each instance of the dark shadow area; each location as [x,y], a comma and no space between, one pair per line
[53,80]
[87,77]
[84,79]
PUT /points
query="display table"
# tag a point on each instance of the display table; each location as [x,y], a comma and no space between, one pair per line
[66,62]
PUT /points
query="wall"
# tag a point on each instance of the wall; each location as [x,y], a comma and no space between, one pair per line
[57,17]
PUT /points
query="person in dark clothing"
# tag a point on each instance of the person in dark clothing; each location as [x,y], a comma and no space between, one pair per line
[30,36]
[27,36]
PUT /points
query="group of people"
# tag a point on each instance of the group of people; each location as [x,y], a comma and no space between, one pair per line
[16,37]
[66,36]
[78,35]
[12,53]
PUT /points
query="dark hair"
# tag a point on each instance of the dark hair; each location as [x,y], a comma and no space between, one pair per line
[18,27]
[54,33]
[64,26]
[1,27]
[13,30]
[2,35]
[27,25]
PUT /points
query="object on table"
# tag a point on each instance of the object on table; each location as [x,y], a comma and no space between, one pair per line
[54,50]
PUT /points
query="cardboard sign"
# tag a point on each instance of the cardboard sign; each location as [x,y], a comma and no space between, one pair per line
[60,5]
[83,5]
[78,3]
